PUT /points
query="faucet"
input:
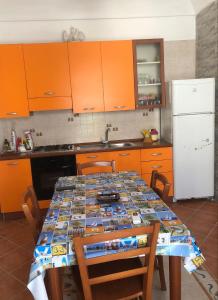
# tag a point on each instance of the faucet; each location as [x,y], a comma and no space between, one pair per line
[105,141]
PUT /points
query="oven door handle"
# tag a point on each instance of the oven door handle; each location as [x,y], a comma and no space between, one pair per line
[66,166]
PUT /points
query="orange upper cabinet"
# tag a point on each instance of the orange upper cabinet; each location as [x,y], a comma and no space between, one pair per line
[86,76]
[13,96]
[118,75]
[48,76]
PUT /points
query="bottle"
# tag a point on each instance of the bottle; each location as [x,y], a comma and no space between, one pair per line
[6,145]
[13,139]
[29,140]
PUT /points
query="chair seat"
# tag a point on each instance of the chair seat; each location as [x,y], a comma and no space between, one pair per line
[126,288]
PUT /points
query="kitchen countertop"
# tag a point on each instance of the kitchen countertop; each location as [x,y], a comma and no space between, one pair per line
[87,148]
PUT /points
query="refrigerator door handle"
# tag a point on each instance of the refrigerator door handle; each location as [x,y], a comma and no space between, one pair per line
[192,114]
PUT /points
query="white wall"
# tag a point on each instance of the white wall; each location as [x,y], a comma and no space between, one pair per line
[45,20]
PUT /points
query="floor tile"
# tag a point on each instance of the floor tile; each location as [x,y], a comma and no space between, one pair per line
[210,246]
[183,213]
[22,273]
[24,295]
[9,286]
[214,232]
[14,259]
[6,246]
[211,265]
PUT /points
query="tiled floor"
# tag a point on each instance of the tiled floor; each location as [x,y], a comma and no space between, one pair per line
[16,245]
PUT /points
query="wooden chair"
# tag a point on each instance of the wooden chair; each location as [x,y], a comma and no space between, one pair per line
[80,167]
[31,211]
[163,192]
[121,275]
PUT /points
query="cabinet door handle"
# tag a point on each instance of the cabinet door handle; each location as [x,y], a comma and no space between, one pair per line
[91,156]
[11,113]
[156,167]
[49,93]
[12,164]
[119,106]
[124,154]
[88,108]
[156,154]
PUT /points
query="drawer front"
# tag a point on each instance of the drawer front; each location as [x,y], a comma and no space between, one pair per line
[156,154]
[169,176]
[94,156]
[127,160]
[159,165]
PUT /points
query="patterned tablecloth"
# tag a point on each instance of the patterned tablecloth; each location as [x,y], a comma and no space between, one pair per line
[77,212]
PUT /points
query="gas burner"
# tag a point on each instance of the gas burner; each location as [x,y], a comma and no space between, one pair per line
[64,147]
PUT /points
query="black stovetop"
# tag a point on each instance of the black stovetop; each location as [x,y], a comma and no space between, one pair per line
[64,147]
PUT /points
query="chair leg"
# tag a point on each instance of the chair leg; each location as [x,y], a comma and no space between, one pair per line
[161,272]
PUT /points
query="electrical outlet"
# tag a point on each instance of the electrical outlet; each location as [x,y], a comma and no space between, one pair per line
[39,133]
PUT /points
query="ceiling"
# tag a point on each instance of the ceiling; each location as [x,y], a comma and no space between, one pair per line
[198,5]
[21,10]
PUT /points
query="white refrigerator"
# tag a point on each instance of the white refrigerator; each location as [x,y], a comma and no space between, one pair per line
[188,122]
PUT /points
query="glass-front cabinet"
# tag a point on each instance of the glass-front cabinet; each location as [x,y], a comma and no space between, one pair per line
[149,73]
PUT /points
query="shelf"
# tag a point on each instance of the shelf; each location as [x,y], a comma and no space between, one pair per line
[148,62]
[149,84]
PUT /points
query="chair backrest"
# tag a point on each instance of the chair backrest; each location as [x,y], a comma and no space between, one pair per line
[31,211]
[80,167]
[164,186]
[146,269]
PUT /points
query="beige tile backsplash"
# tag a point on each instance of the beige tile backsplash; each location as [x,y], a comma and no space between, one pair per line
[56,129]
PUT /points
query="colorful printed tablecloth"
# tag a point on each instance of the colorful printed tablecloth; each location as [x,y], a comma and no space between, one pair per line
[76,211]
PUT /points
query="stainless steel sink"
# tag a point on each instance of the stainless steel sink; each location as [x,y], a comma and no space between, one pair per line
[91,146]
[120,145]
[106,146]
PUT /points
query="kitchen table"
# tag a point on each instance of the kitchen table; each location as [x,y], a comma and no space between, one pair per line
[74,210]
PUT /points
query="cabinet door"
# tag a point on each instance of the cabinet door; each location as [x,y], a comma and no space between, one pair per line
[13,93]
[149,73]
[127,160]
[95,156]
[48,77]
[118,79]
[86,76]
[15,177]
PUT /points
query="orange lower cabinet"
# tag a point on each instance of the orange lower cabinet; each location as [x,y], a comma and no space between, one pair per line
[127,160]
[156,154]
[169,176]
[15,177]
[161,166]
[95,156]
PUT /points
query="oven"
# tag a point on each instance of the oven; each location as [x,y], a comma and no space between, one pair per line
[46,171]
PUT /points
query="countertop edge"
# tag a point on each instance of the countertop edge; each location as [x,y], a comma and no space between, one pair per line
[139,144]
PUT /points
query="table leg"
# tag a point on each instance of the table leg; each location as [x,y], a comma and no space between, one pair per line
[55,284]
[175,277]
